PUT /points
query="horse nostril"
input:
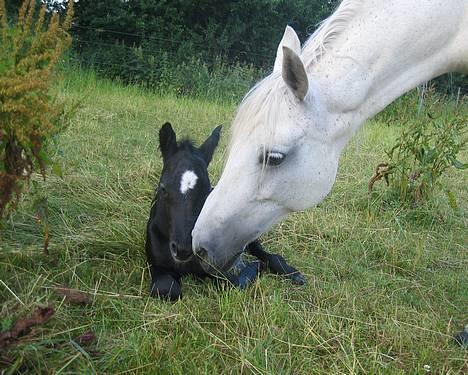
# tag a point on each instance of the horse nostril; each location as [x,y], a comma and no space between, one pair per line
[201,253]
[174,248]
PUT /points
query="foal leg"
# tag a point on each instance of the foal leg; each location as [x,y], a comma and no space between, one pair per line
[275,263]
[241,274]
[461,338]
[163,284]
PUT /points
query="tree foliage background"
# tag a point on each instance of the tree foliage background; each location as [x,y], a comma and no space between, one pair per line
[147,40]
[187,44]
[239,30]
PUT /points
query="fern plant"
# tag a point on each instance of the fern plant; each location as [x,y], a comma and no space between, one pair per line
[29,114]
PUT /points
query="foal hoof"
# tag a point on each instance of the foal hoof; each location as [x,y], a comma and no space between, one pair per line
[462,338]
[166,287]
[278,265]
[297,278]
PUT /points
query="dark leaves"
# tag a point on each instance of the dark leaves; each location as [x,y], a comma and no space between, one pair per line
[22,327]
[73,296]
[86,338]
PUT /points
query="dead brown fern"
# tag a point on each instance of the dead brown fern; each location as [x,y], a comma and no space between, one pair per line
[29,115]
[381,171]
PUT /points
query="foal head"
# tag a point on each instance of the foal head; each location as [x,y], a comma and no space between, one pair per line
[183,188]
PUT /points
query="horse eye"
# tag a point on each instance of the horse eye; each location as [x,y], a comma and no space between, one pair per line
[272,158]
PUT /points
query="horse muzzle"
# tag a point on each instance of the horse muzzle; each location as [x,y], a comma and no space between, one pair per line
[214,265]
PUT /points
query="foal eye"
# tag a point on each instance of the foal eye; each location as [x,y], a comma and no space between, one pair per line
[272,158]
[162,189]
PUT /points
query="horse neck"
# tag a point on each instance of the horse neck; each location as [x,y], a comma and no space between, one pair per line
[381,51]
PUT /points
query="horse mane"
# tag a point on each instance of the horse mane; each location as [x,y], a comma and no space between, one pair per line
[329,30]
[262,101]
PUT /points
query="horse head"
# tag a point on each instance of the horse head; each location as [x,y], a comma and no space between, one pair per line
[280,160]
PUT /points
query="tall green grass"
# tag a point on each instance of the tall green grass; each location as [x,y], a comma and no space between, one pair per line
[217,80]
[386,285]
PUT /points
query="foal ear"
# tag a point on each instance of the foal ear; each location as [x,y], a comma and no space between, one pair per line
[294,73]
[290,40]
[208,147]
[167,140]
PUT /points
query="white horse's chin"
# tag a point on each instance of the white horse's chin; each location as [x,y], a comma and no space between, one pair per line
[224,238]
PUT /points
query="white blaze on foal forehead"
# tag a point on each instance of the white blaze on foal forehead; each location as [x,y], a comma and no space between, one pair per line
[188,181]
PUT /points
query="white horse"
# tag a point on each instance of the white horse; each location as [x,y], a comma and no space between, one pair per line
[291,128]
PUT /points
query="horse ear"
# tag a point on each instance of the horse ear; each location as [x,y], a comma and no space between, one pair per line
[290,40]
[208,147]
[167,140]
[294,73]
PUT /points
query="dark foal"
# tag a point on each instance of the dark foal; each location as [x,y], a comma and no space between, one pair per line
[183,188]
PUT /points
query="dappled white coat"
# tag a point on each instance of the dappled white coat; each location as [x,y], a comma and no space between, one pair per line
[368,53]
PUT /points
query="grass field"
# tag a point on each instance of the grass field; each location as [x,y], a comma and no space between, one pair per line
[387,286]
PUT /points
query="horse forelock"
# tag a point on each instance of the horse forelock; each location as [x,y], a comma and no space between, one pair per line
[257,114]
[186,144]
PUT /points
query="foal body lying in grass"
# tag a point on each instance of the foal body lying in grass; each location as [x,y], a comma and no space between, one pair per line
[183,188]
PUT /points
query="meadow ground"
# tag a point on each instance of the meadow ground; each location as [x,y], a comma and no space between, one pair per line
[387,286]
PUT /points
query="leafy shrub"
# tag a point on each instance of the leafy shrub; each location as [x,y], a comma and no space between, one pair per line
[428,145]
[166,73]
[241,31]
[29,115]
[452,84]
[149,41]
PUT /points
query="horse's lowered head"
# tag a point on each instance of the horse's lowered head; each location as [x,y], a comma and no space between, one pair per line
[291,128]
[183,187]
[280,160]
